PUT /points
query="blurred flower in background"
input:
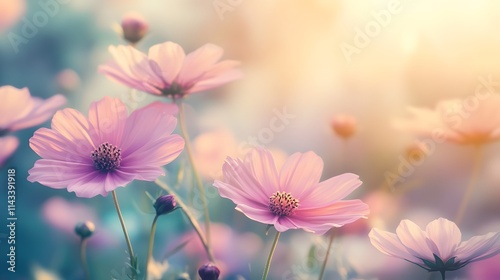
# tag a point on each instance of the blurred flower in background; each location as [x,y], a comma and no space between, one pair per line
[9,145]
[10,12]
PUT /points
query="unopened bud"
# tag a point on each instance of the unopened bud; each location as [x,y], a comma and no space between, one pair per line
[85,230]
[134,27]
[344,125]
[209,272]
[165,204]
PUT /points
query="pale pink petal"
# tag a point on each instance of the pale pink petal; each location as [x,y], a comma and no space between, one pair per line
[221,74]
[108,117]
[415,240]
[73,126]
[300,174]
[261,164]
[50,144]
[389,244]
[259,214]
[241,180]
[445,235]
[58,174]
[148,124]
[334,215]
[155,152]
[42,111]
[8,146]
[167,59]
[113,71]
[197,63]
[479,247]
[16,104]
[331,190]
[145,173]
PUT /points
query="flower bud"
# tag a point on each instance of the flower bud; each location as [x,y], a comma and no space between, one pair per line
[209,272]
[85,230]
[134,27]
[165,204]
[183,276]
[344,125]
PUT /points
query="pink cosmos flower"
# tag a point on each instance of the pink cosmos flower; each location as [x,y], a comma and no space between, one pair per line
[20,110]
[96,154]
[8,146]
[457,121]
[438,248]
[293,197]
[167,70]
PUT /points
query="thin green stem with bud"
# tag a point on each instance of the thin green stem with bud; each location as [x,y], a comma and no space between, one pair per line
[190,217]
[199,183]
[133,260]
[151,241]
[270,257]
[83,258]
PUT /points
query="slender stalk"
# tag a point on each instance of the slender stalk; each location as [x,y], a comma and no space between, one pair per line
[471,185]
[190,217]
[199,183]
[442,274]
[83,258]
[133,261]
[151,241]
[270,257]
[323,267]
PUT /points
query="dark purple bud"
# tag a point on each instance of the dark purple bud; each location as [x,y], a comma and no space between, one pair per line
[134,27]
[85,230]
[209,272]
[165,204]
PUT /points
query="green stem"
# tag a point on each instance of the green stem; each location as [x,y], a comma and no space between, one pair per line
[471,185]
[182,124]
[133,261]
[270,257]
[151,241]
[325,261]
[442,274]
[190,217]
[83,246]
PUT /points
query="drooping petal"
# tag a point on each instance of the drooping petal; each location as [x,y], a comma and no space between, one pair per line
[9,145]
[220,74]
[331,190]
[166,60]
[446,236]
[415,240]
[479,247]
[113,71]
[42,111]
[300,174]
[108,117]
[389,244]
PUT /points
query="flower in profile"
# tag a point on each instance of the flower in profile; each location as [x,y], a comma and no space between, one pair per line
[292,198]
[166,70]
[344,126]
[9,145]
[134,27]
[457,121]
[108,149]
[438,248]
[20,110]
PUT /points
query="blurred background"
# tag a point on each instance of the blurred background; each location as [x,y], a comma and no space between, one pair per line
[311,60]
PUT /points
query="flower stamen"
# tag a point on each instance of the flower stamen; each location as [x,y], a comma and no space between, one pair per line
[283,204]
[106,157]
